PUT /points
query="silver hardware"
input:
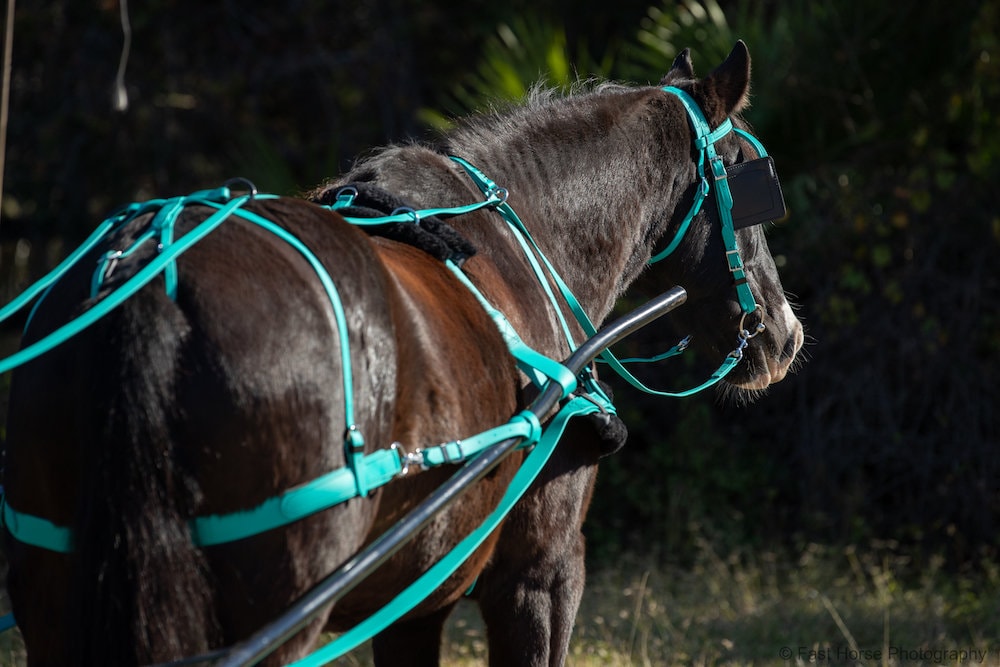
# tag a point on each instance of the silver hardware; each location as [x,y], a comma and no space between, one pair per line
[406,210]
[759,326]
[246,184]
[739,262]
[498,194]
[111,258]
[744,334]
[408,460]
[447,456]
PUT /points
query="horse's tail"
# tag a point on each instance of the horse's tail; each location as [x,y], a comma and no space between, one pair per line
[143,594]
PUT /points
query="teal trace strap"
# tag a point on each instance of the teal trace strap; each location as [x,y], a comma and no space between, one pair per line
[364,472]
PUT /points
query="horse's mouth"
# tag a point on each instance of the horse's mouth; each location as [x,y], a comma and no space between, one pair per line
[775,372]
[769,368]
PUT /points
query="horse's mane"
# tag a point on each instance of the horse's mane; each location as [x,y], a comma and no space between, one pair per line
[553,148]
[503,121]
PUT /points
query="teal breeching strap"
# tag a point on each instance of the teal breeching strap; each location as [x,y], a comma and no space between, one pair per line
[7,622]
[324,492]
[126,290]
[36,531]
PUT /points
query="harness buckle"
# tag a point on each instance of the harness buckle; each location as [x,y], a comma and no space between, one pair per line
[735,261]
[408,460]
[447,457]
[406,210]
[719,168]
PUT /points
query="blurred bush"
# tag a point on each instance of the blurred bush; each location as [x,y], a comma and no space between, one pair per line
[883,124]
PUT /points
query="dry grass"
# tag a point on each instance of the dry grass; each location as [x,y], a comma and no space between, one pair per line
[828,606]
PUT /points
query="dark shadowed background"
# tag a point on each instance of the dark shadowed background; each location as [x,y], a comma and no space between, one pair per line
[883,124]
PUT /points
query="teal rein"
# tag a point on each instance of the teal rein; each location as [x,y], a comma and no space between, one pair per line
[365,472]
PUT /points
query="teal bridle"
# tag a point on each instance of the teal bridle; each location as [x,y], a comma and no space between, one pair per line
[715,180]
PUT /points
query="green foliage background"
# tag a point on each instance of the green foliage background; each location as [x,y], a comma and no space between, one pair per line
[883,123]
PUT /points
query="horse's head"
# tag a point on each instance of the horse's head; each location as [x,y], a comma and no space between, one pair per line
[703,261]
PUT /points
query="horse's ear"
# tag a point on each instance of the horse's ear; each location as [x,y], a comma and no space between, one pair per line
[681,69]
[729,83]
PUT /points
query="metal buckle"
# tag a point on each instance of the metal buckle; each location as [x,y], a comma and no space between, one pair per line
[414,459]
[447,457]
[406,210]
[739,261]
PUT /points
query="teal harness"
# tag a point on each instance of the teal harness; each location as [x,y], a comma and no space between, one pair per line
[365,472]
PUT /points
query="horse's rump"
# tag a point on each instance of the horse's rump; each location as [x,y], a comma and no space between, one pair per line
[207,404]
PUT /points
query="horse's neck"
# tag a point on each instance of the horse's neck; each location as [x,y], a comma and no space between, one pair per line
[581,206]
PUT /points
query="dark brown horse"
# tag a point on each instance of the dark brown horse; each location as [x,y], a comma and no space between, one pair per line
[228,390]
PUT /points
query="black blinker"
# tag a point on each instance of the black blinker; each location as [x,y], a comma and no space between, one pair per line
[756,192]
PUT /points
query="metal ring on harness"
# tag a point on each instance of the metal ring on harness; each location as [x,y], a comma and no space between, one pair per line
[757,329]
[406,210]
[249,187]
[499,193]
